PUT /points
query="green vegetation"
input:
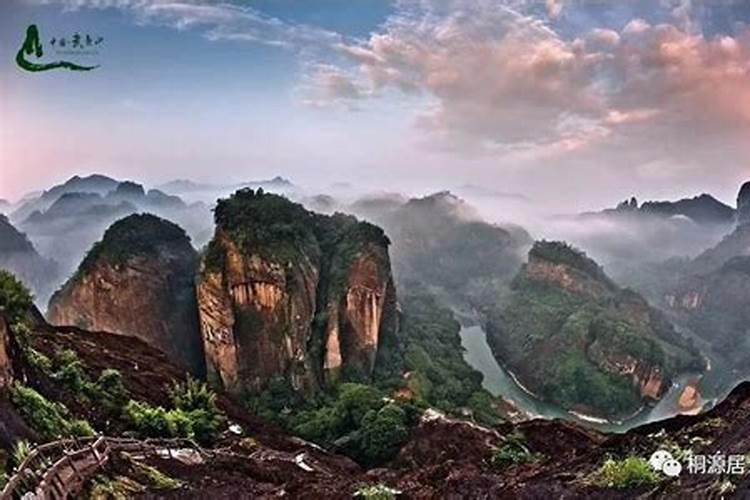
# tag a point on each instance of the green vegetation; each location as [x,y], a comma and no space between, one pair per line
[119,488]
[514,452]
[15,299]
[156,478]
[263,223]
[567,346]
[355,419]
[122,488]
[433,356]
[559,252]
[359,422]
[194,415]
[631,472]
[283,231]
[50,419]
[376,492]
[66,368]
[581,383]
[135,235]
[21,451]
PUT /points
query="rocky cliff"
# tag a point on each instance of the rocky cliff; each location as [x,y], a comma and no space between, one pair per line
[286,292]
[441,457]
[138,281]
[743,204]
[6,354]
[714,307]
[574,337]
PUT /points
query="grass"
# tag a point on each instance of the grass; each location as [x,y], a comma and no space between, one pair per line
[156,478]
[514,452]
[119,488]
[48,418]
[376,492]
[630,472]
[21,451]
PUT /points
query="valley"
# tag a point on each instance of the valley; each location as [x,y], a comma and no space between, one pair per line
[367,338]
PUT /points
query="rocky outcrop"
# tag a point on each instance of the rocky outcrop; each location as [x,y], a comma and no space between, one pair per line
[743,204]
[565,277]
[284,292]
[256,316]
[6,354]
[138,281]
[703,209]
[690,401]
[575,338]
[358,311]
[714,307]
[647,377]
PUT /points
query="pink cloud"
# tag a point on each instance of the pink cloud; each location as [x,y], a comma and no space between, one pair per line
[495,76]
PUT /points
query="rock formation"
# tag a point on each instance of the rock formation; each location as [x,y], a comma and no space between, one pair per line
[743,204]
[714,306]
[574,337]
[286,292]
[6,354]
[138,281]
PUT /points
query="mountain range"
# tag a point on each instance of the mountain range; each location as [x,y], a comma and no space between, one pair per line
[322,354]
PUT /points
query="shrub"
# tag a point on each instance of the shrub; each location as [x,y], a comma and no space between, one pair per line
[51,420]
[21,450]
[38,360]
[155,421]
[377,492]
[630,472]
[120,488]
[156,478]
[111,387]
[134,235]
[383,432]
[80,428]
[149,421]
[15,298]
[514,452]
[193,395]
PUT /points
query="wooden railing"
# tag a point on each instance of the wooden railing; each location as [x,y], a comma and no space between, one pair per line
[59,469]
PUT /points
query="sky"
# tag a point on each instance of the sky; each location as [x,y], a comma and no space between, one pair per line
[576,104]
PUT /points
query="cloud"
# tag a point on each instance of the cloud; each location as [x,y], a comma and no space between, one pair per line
[500,79]
[554,8]
[219,20]
[329,85]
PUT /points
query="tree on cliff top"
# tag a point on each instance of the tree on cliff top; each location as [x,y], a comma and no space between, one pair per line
[15,298]
[560,252]
[135,235]
[278,228]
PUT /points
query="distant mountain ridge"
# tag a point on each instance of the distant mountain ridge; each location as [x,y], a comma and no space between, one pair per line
[18,255]
[185,186]
[702,209]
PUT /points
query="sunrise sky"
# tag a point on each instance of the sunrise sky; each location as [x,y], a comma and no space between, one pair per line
[573,103]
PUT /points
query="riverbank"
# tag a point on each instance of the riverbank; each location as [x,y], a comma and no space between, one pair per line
[502,383]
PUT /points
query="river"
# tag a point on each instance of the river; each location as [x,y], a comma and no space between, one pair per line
[502,383]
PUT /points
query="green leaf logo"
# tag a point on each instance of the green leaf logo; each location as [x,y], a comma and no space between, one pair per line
[32,46]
